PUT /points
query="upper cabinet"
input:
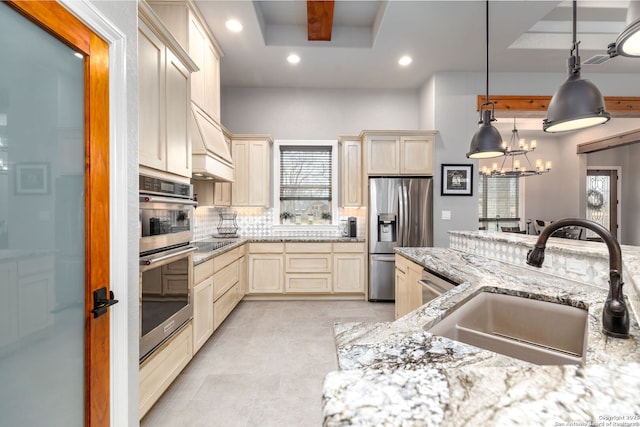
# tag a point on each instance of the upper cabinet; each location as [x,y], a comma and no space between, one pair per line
[252,182]
[186,24]
[399,153]
[351,180]
[164,92]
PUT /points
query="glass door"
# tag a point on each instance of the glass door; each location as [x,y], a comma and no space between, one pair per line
[602,200]
[54,211]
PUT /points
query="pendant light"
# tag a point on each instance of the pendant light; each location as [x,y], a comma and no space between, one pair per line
[486,142]
[628,42]
[578,103]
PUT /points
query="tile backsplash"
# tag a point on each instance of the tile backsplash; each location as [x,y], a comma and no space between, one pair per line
[260,222]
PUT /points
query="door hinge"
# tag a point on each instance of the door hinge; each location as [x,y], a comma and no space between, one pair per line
[101,302]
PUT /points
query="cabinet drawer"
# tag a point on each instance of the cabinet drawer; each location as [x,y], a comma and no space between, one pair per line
[158,372]
[266,248]
[224,279]
[308,247]
[308,283]
[225,259]
[223,306]
[350,247]
[307,263]
[202,271]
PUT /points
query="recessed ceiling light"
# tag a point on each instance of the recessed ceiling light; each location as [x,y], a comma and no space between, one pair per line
[293,58]
[233,25]
[405,60]
[78,55]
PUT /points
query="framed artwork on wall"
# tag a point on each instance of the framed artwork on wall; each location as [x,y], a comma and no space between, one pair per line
[32,178]
[456,180]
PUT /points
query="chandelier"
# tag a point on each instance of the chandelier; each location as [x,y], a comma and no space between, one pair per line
[515,162]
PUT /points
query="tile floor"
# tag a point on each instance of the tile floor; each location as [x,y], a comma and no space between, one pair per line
[263,367]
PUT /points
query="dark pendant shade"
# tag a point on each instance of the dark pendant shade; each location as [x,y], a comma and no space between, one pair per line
[486,142]
[576,104]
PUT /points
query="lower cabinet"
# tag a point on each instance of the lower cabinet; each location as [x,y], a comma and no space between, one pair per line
[202,313]
[227,289]
[407,286]
[320,268]
[158,371]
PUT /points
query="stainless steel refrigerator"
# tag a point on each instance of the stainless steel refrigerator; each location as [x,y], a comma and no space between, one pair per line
[400,214]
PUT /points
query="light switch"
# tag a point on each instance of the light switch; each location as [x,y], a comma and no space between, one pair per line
[446,215]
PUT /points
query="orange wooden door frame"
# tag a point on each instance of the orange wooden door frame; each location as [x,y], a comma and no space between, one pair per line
[60,23]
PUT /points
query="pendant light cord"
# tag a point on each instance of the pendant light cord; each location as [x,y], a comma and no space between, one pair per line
[575,54]
[486,100]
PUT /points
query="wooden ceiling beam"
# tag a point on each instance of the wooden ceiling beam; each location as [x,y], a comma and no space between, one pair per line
[536,106]
[319,19]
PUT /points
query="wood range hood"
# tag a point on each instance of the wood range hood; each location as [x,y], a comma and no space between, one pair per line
[211,158]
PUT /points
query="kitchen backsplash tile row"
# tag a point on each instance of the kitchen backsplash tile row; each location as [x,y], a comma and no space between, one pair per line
[260,222]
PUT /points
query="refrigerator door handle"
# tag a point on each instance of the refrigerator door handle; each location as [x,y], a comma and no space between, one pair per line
[401,214]
[405,214]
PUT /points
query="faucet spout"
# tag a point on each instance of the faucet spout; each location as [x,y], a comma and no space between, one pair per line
[615,315]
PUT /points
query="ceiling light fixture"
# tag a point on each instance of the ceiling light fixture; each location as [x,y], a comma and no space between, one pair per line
[486,142]
[517,147]
[628,42]
[233,25]
[578,103]
[405,60]
[293,58]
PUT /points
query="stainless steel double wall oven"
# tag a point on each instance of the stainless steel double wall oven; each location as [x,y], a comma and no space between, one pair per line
[167,212]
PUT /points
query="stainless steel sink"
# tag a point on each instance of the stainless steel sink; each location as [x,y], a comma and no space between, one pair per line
[539,332]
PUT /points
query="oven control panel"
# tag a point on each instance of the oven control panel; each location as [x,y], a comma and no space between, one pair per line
[151,185]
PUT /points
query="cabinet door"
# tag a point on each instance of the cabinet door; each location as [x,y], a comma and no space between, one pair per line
[351,174]
[414,289]
[259,173]
[202,313]
[416,155]
[197,44]
[348,273]
[252,173]
[35,301]
[266,273]
[222,194]
[151,137]
[383,155]
[8,303]
[401,302]
[178,108]
[240,188]
[211,81]
[242,280]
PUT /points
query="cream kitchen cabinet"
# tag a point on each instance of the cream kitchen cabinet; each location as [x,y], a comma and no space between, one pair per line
[252,183]
[222,194]
[399,153]
[407,287]
[202,313]
[189,28]
[349,261]
[158,371]
[266,268]
[317,269]
[227,290]
[8,303]
[308,268]
[164,100]
[351,176]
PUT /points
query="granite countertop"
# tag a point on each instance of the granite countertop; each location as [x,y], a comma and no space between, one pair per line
[212,247]
[397,374]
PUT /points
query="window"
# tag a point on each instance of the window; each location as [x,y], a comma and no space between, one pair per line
[306,182]
[499,202]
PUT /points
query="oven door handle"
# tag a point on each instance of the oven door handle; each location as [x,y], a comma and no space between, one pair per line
[171,200]
[151,260]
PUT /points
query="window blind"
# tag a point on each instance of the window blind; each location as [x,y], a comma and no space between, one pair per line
[305,172]
[499,197]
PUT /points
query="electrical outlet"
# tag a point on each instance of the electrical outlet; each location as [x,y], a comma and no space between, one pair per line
[446,215]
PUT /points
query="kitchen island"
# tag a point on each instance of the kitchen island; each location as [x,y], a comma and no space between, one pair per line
[397,374]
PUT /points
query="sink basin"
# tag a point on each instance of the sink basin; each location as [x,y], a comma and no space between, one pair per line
[539,332]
